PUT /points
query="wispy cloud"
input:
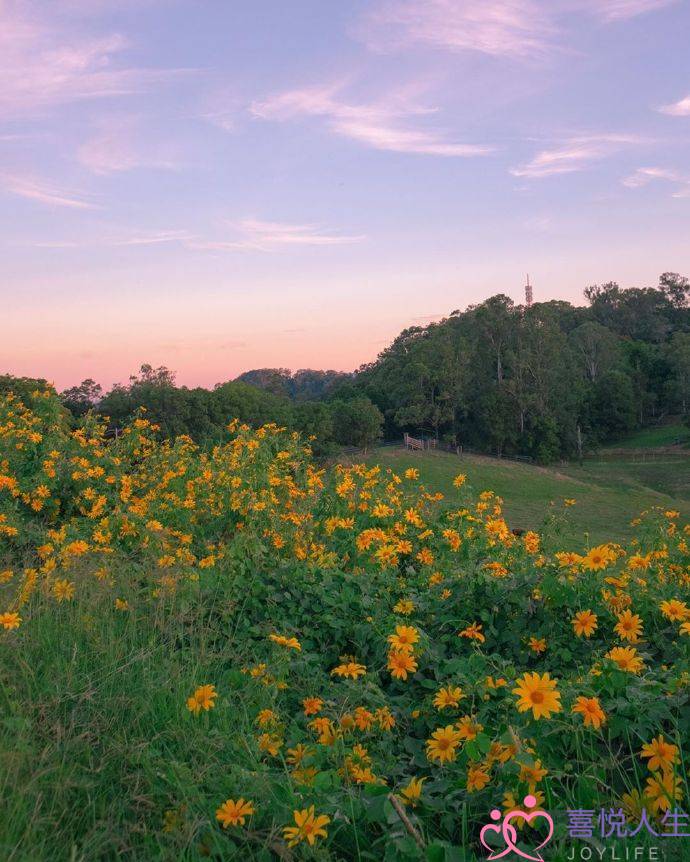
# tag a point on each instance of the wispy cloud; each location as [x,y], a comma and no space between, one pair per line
[42,66]
[644,176]
[248,234]
[514,29]
[381,125]
[31,187]
[257,235]
[505,28]
[119,144]
[156,238]
[538,224]
[617,10]
[574,154]
[680,108]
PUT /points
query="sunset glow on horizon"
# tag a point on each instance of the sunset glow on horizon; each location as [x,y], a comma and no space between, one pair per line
[231,186]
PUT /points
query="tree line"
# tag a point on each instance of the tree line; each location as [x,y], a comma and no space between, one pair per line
[545,381]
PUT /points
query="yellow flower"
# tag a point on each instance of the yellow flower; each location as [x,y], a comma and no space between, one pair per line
[412,792]
[473,632]
[568,558]
[411,473]
[675,610]
[532,774]
[63,590]
[629,626]
[626,658]
[10,620]
[598,558]
[349,670]
[404,639]
[459,480]
[385,718]
[468,727]
[591,711]
[633,804]
[296,755]
[661,754]
[531,542]
[121,605]
[662,790]
[448,696]
[477,778]
[443,744]
[270,743]
[584,623]
[684,629]
[537,645]
[538,693]
[324,727]
[305,775]
[203,698]
[312,705]
[400,664]
[233,813]
[404,606]
[308,827]
[363,718]
[425,557]
[289,642]
[266,716]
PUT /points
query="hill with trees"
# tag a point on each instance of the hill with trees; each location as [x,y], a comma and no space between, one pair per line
[539,381]
[544,381]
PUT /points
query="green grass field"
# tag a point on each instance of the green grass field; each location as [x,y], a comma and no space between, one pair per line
[240,625]
[664,435]
[608,494]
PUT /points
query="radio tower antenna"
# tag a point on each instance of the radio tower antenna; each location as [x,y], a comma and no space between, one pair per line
[528,293]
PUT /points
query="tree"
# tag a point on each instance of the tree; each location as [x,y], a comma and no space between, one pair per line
[596,348]
[22,387]
[357,422]
[315,419]
[80,399]
[678,358]
[676,288]
[613,405]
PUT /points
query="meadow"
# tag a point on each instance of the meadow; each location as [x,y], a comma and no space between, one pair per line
[608,494]
[239,653]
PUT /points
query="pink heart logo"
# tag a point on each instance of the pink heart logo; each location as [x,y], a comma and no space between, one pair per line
[510,838]
[528,817]
[509,833]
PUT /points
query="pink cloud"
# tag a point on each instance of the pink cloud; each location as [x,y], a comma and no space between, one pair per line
[574,154]
[680,108]
[644,176]
[381,125]
[42,66]
[512,28]
[119,144]
[257,235]
[616,10]
[30,187]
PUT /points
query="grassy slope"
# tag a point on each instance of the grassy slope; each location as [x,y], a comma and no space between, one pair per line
[608,495]
[664,435]
[665,475]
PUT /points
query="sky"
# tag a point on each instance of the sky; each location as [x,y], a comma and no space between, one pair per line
[231,184]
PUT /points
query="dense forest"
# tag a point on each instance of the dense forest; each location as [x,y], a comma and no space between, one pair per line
[544,381]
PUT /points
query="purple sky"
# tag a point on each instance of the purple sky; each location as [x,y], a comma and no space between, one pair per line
[219,185]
